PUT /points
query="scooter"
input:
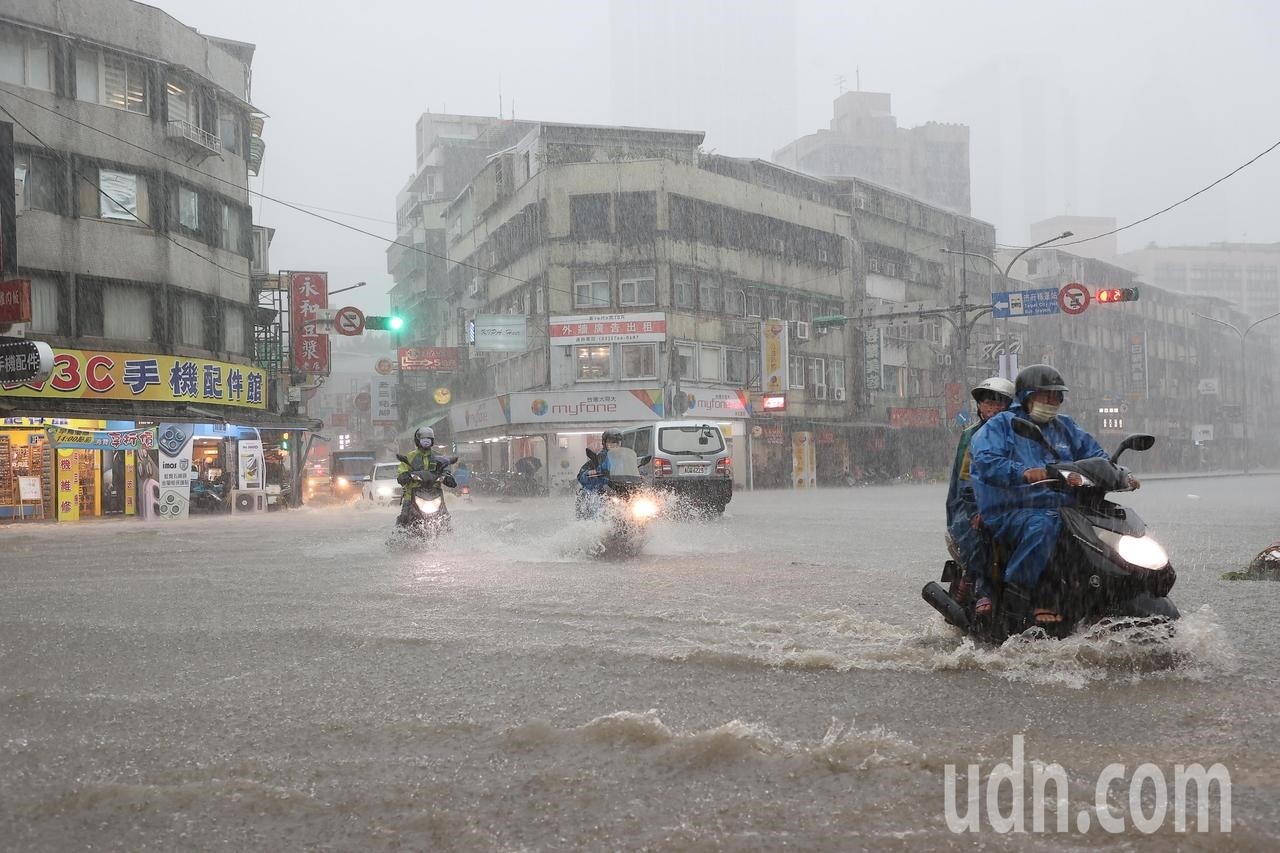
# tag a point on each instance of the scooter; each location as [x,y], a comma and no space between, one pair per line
[625,504]
[426,516]
[1105,565]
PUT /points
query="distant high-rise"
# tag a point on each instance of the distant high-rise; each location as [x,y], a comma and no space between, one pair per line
[707,65]
[930,162]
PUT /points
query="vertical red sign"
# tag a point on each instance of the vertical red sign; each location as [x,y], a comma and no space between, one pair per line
[308,293]
[955,400]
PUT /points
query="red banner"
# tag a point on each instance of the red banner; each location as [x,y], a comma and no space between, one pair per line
[955,400]
[308,293]
[15,301]
[914,418]
[429,358]
[311,354]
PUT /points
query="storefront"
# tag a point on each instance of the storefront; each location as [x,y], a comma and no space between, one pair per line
[99,436]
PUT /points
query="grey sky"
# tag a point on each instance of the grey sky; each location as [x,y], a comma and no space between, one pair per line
[1162,98]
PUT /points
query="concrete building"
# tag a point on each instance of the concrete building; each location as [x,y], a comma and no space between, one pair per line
[134,139]
[1247,275]
[930,162]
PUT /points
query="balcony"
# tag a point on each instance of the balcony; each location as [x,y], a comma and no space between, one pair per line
[193,137]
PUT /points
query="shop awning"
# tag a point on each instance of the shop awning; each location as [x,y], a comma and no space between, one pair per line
[429,422]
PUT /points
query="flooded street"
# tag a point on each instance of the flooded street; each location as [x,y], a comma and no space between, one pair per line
[766,680]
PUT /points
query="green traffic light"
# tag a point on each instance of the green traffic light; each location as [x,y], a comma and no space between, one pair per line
[396,323]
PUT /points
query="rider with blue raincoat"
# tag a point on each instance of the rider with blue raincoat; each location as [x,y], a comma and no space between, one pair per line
[1006,469]
[594,479]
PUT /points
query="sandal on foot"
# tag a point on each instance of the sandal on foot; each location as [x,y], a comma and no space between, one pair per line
[983,607]
[1046,616]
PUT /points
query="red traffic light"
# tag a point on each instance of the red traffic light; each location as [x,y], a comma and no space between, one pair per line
[1117,294]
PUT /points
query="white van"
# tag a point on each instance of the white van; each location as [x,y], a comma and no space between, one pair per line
[687,458]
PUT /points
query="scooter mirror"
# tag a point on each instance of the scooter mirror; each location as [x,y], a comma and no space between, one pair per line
[402,459]
[1137,441]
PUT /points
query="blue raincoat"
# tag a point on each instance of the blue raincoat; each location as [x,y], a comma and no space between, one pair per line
[1024,516]
[962,506]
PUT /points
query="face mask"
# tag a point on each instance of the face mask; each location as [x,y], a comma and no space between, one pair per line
[1042,413]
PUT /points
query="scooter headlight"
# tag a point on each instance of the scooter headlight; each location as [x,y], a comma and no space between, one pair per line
[343,481]
[428,506]
[1141,551]
[643,509]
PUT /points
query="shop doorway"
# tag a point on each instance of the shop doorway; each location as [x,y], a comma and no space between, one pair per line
[113,486]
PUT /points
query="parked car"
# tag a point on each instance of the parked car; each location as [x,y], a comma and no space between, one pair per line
[689,459]
[382,487]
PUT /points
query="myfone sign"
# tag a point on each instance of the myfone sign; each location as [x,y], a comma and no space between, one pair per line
[716,402]
[25,361]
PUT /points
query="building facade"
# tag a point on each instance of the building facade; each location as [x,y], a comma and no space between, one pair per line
[929,162]
[134,140]
[1245,274]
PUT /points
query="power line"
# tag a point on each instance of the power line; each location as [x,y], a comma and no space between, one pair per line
[97,186]
[1239,168]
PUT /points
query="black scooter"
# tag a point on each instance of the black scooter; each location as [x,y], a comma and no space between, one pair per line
[1104,564]
[426,515]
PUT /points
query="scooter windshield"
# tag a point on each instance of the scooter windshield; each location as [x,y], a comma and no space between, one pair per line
[623,463]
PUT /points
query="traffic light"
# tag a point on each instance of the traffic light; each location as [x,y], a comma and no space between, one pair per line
[385,323]
[284,441]
[1117,294]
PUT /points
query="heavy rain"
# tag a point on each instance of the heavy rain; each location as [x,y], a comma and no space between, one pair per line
[638,426]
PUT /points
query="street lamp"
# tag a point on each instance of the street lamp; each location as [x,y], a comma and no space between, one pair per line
[1244,379]
[1004,273]
[345,289]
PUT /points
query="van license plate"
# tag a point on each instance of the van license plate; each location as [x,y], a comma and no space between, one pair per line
[695,469]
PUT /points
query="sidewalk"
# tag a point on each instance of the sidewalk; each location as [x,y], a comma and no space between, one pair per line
[1198,475]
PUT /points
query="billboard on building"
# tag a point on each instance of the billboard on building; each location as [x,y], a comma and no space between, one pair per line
[501,333]
[773,355]
[644,327]
[715,402]
[586,406]
[428,358]
[308,293]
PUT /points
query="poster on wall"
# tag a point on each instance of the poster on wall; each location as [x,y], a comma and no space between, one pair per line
[175,443]
[250,463]
[773,356]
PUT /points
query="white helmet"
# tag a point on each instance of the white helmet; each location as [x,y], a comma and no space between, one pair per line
[994,385]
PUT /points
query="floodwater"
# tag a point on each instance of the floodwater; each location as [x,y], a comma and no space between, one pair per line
[767,680]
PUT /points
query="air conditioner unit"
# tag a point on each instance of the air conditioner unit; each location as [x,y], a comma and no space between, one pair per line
[943,359]
[837,393]
[819,392]
[802,330]
[248,500]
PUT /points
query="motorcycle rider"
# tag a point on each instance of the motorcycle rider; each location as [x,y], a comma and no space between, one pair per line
[423,468]
[595,480]
[964,522]
[1005,469]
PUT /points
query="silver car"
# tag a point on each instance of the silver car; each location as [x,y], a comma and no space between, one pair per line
[382,487]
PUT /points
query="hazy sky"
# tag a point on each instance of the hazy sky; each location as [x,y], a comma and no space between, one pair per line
[1107,107]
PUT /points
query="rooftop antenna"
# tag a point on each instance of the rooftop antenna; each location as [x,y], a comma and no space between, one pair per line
[499,96]
[857,77]
[840,83]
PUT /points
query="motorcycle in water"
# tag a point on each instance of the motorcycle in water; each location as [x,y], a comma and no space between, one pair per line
[1105,564]
[624,504]
[426,515]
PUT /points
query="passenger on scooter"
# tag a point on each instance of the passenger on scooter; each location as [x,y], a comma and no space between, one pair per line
[595,480]
[1006,469]
[964,522]
[423,468]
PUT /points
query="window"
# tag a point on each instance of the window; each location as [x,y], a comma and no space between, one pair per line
[112,80]
[775,306]
[25,60]
[182,103]
[231,129]
[229,233]
[46,294]
[591,289]
[735,300]
[637,287]
[191,321]
[639,361]
[709,292]
[118,196]
[687,361]
[793,310]
[37,179]
[873,265]
[682,288]
[539,299]
[818,373]
[754,303]
[594,362]
[795,371]
[735,367]
[188,209]
[710,363]
[233,329]
[637,215]
[126,312]
[589,216]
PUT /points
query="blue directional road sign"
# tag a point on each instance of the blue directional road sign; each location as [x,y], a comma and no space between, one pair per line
[1025,303]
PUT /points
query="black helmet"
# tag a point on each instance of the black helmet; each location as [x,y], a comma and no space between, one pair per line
[424,438]
[611,435]
[1039,377]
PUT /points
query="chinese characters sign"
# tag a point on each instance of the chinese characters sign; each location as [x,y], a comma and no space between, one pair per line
[90,375]
[308,293]
[428,358]
[385,410]
[134,439]
[608,329]
[773,356]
